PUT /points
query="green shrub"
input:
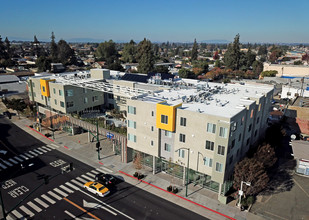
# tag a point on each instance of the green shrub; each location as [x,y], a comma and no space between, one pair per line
[269,73]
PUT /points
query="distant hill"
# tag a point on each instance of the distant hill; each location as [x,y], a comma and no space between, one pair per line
[216,41]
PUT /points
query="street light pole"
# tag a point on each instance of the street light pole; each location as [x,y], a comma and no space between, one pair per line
[198,153]
[241,192]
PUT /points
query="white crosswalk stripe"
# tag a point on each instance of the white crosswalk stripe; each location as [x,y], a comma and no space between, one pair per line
[35,207]
[48,199]
[54,195]
[88,178]
[104,170]
[77,183]
[7,163]
[39,201]
[29,155]
[31,152]
[82,180]
[94,171]
[90,174]
[10,217]
[3,166]
[50,146]
[17,214]
[71,185]
[41,149]
[17,158]
[46,148]
[23,156]
[56,146]
[70,214]
[27,211]
[60,192]
[14,161]
[66,189]
[39,152]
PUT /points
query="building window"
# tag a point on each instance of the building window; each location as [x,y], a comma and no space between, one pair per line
[95,98]
[239,137]
[233,144]
[69,92]
[70,104]
[219,167]
[182,138]
[34,95]
[221,150]
[110,96]
[181,153]
[132,137]
[167,147]
[237,152]
[132,124]
[62,104]
[209,145]
[55,101]
[86,100]
[248,141]
[260,107]
[251,115]
[33,85]
[234,126]
[152,113]
[54,90]
[250,126]
[84,90]
[183,121]
[231,160]
[208,161]
[151,128]
[167,133]
[288,93]
[223,132]
[151,143]
[164,119]
[255,133]
[258,120]
[42,97]
[131,110]
[242,120]
[211,128]
[60,93]
[43,88]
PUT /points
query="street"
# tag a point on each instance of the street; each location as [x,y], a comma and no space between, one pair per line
[29,166]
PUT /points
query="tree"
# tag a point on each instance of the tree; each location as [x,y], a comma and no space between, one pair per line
[161,69]
[305,57]
[138,161]
[107,52]
[53,49]
[8,48]
[266,155]
[257,67]
[65,52]
[185,73]
[298,62]
[129,52]
[269,73]
[194,52]
[43,64]
[218,63]
[200,67]
[250,58]
[36,49]
[253,171]
[262,50]
[3,53]
[145,56]
[216,56]
[233,55]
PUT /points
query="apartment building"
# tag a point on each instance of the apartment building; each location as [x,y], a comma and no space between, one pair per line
[207,127]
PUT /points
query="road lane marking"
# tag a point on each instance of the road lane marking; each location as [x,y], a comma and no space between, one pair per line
[3,166]
[7,163]
[9,217]
[31,152]
[77,206]
[94,171]
[29,155]
[71,185]
[17,158]
[66,189]
[116,210]
[82,180]
[39,152]
[46,148]
[54,145]
[54,195]
[60,192]
[27,211]
[88,178]
[41,149]
[17,214]
[41,203]
[77,183]
[50,146]
[14,161]
[71,215]
[34,206]
[48,199]
[104,169]
[23,156]
[90,174]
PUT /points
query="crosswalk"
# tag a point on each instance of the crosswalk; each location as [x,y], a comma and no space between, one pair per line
[10,162]
[37,205]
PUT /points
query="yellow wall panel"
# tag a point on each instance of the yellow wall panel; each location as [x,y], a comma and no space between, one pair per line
[170,111]
[44,84]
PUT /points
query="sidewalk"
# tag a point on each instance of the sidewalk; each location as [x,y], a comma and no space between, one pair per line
[199,200]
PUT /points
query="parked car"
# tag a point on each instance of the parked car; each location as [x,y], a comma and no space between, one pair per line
[97,188]
[105,179]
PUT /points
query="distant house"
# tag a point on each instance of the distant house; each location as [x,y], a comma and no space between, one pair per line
[99,65]
[10,84]
[130,67]
[57,67]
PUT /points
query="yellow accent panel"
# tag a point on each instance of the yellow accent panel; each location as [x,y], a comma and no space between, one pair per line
[170,111]
[44,83]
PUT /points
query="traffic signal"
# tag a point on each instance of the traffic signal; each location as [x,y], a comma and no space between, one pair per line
[98,146]
[71,166]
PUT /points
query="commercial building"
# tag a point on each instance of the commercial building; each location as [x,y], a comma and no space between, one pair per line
[207,127]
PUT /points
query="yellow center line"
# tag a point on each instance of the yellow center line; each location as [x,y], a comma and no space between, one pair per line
[84,210]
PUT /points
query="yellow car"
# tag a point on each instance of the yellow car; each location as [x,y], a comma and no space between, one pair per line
[97,188]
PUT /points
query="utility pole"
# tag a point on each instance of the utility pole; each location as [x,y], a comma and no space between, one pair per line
[2,205]
[98,142]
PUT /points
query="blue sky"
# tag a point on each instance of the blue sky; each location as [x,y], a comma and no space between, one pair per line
[161,20]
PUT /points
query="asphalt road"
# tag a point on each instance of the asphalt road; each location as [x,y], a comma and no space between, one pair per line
[64,196]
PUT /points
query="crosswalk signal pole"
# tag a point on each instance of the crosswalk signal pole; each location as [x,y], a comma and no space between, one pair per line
[98,142]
